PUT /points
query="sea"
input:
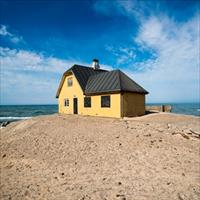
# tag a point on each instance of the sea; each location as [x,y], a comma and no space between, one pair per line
[18,112]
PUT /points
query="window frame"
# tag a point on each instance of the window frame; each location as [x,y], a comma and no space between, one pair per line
[90,103]
[70,84]
[103,104]
[66,102]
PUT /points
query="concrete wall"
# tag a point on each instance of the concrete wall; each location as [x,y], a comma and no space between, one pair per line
[95,110]
[133,104]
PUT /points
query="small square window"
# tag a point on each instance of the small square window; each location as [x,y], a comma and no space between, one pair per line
[105,101]
[69,82]
[66,102]
[87,102]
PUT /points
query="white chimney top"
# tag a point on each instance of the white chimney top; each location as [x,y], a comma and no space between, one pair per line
[95,64]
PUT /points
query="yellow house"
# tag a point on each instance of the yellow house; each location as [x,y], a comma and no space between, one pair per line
[97,92]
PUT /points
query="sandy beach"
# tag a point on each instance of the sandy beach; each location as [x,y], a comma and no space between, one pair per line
[68,157]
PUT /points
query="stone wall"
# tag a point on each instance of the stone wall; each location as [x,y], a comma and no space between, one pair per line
[159,108]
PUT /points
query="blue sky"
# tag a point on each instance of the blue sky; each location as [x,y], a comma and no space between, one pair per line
[154,42]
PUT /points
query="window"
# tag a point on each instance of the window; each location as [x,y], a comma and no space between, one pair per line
[87,102]
[105,101]
[69,82]
[66,102]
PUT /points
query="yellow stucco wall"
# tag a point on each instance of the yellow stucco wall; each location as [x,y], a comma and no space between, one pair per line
[95,110]
[133,104]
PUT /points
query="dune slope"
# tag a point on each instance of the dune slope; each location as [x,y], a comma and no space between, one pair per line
[73,157]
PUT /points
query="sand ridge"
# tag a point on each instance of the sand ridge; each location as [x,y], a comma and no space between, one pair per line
[76,157]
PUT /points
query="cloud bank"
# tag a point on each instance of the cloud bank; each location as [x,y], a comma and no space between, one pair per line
[174,74]
[28,77]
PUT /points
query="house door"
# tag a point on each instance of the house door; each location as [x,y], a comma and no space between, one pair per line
[75,103]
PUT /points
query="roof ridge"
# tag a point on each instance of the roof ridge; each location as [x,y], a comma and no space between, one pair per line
[80,66]
[83,66]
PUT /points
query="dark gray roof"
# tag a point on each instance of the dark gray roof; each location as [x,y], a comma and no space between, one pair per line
[82,74]
[113,81]
[101,81]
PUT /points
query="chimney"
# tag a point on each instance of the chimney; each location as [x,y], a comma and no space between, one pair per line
[95,64]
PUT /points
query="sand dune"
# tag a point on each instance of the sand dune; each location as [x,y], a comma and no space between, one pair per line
[81,158]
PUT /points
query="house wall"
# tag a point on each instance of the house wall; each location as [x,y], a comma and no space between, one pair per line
[133,104]
[95,109]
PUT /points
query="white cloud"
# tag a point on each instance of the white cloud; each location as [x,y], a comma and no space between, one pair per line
[124,55]
[12,37]
[22,60]
[174,74]
[3,31]
[129,8]
[29,77]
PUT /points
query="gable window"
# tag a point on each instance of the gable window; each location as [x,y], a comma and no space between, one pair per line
[87,102]
[105,101]
[66,102]
[69,82]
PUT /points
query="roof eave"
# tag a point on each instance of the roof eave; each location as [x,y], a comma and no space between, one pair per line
[113,92]
[102,92]
[137,92]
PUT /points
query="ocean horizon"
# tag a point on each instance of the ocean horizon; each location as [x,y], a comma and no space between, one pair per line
[19,112]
